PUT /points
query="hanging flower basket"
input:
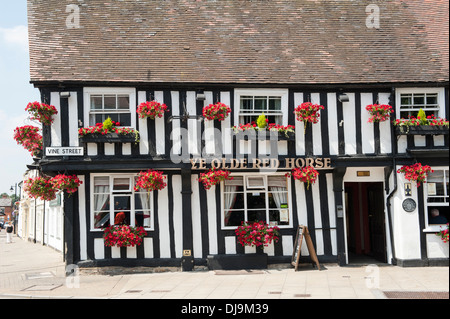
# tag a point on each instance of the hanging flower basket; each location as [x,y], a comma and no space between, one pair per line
[28,136]
[218,111]
[379,112]
[256,234]
[151,110]
[305,174]
[213,177]
[444,234]
[66,183]
[40,188]
[41,112]
[150,181]
[308,112]
[417,172]
[123,236]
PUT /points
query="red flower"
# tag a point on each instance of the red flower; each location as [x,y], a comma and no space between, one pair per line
[150,180]
[40,187]
[308,113]
[218,111]
[379,112]
[29,137]
[151,110]
[305,174]
[416,172]
[69,184]
[256,234]
[213,177]
[123,236]
[41,112]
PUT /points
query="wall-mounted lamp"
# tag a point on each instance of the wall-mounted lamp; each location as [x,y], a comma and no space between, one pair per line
[201,97]
[343,97]
[64,94]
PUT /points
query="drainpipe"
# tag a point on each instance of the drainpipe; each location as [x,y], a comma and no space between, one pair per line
[388,206]
[394,144]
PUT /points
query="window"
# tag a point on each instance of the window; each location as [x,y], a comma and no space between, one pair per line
[256,198]
[114,201]
[437,198]
[252,103]
[116,103]
[410,101]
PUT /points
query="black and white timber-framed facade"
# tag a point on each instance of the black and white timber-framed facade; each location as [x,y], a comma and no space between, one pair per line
[355,207]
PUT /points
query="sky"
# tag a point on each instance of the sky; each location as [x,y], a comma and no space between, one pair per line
[15,91]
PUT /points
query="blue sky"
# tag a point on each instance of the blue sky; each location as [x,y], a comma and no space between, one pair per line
[15,90]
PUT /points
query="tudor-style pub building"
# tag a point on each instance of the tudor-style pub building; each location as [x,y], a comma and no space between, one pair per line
[95,60]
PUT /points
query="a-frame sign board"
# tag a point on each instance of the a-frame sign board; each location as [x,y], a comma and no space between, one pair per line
[302,233]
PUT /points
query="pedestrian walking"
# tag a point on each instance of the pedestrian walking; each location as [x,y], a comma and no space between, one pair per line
[9,230]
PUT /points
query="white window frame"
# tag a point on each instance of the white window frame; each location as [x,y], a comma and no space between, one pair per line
[433,227]
[130,192]
[419,90]
[88,91]
[244,178]
[282,93]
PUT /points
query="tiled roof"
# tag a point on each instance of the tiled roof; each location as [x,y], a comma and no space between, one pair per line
[239,41]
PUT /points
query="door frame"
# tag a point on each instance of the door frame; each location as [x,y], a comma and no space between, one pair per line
[367,221]
[375,175]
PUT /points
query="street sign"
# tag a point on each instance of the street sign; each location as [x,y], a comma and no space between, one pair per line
[64,151]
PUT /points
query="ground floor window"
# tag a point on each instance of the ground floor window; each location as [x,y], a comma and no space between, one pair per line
[114,201]
[256,198]
[437,199]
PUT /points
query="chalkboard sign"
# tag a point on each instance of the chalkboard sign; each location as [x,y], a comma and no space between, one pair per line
[302,233]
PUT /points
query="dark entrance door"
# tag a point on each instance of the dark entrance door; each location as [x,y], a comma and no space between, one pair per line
[365,221]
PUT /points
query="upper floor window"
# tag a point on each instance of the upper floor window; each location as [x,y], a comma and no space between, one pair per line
[411,100]
[116,103]
[253,102]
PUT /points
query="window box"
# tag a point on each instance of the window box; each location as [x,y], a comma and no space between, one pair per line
[421,130]
[108,138]
[259,134]
[289,137]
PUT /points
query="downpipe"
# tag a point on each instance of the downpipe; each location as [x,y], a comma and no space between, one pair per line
[389,212]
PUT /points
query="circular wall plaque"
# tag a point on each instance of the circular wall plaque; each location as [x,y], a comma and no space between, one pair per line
[409,205]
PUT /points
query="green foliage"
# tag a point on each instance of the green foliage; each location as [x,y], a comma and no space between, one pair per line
[261,121]
[422,117]
[107,124]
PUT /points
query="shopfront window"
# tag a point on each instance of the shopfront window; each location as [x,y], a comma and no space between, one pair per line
[437,198]
[116,202]
[256,198]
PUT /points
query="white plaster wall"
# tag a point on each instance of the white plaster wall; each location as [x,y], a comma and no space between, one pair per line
[405,225]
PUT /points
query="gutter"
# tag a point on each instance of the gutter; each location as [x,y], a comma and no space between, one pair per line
[388,206]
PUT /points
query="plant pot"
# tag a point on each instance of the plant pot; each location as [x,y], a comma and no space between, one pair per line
[421,130]
[237,261]
[108,138]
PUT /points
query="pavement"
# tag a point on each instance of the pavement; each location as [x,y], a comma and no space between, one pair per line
[34,271]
